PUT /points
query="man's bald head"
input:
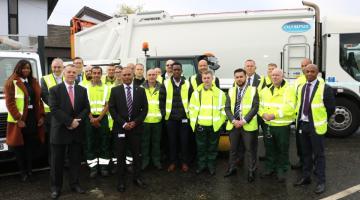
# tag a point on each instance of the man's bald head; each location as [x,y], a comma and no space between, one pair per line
[277,76]
[304,63]
[203,66]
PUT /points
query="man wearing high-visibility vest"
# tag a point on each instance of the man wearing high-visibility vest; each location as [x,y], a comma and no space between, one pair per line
[277,109]
[152,125]
[159,78]
[109,78]
[174,100]
[242,104]
[300,81]
[47,82]
[196,80]
[267,83]
[97,128]
[207,115]
[315,104]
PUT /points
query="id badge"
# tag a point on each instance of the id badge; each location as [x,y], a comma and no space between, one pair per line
[121,135]
[184,121]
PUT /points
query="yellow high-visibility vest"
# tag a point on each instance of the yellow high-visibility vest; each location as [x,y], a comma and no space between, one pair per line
[281,102]
[210,111]
[184,93]
[246,104]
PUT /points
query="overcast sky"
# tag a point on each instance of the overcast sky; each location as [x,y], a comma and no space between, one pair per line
[66,9]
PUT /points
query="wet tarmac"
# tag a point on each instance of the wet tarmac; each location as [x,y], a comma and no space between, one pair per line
[342,162]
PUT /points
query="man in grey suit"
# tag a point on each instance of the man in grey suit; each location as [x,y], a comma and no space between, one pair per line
[242,104]
[69,108]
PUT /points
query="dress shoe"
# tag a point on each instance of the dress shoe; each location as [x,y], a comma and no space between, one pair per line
[212,171]
[140,183]
[104,173]
[230,172]
[24,177]
[78,189]
[93,173]
[320,188]
[171,168]
[251,176]
[184,167]
[303,181]
[55,194]
[121,187]
[199,170]
[297,166]
[267,173]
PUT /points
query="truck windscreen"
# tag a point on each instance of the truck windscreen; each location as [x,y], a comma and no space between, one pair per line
[7,66]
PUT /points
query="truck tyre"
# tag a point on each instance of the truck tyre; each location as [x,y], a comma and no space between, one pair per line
[345,121]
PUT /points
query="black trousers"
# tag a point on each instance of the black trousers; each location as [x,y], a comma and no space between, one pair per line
[247,139]
[58,152]
[178,133]
[312,146]
[24,153]
[132,140]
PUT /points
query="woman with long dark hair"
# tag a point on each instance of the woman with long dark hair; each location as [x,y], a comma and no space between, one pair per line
[25,119]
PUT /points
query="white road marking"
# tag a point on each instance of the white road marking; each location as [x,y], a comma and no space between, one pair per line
[343,193]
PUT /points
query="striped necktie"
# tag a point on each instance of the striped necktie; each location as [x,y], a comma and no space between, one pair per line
[129,100]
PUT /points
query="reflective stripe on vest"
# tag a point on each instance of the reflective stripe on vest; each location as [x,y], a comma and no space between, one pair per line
[154,113]
[50,82]
[184,93]
[318,109]
[97,96]
[208,112]
[246,104]
[19,101]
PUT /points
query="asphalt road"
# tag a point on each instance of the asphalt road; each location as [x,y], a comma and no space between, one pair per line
[342,169]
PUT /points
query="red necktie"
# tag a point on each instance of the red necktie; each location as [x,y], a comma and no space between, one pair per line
[71,94]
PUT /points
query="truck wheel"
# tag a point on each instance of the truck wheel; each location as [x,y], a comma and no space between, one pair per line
[345,121]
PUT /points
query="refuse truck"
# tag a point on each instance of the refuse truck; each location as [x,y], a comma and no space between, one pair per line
[282,36]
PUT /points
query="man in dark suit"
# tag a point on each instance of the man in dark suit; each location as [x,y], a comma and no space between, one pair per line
[128,107]
[315,105]
[69,108]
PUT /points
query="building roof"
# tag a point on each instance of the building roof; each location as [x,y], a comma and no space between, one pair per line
[58,36]
[51,6]
[92,13]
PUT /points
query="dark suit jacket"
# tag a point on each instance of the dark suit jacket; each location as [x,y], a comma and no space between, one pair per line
[119,111]
[329,101]
[257,79]
[249,116]
[63,114]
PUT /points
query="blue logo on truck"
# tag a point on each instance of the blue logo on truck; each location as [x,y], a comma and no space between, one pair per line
[296,27]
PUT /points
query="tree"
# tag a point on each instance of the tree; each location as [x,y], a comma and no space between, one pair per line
[124,9]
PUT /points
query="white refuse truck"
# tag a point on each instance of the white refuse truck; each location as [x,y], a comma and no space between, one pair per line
[12,49]
[283,37]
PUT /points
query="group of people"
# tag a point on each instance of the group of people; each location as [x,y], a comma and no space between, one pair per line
[108,118]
